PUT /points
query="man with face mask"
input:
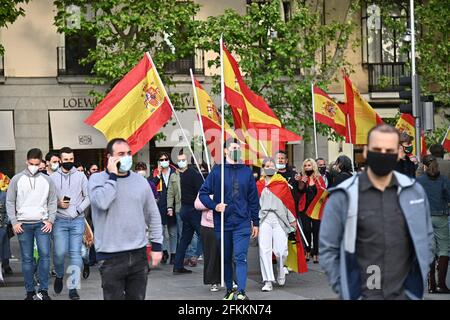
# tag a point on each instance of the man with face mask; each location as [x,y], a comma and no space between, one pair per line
[376,238]
[405,165]
[52,162]
[241,214]
[322,166]
[123,207]
[72,191]
[31,206]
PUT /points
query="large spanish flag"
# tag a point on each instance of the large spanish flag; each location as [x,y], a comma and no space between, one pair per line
[446,141]
[251,113]
[135,109]
[406,123]
[328,112]
[212,128]
[279,187]
[361,115]
[315,208]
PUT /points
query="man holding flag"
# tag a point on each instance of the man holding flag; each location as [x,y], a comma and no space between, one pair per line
[240,210]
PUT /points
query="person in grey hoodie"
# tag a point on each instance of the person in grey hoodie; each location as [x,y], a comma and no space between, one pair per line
[123,206]
[376,237]
[72,192]
[31,207]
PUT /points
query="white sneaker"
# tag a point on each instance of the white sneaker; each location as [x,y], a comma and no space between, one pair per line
[214,288]
[281,281]
[286,270]
[267,287]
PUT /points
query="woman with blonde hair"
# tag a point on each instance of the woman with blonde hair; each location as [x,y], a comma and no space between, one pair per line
[310,186]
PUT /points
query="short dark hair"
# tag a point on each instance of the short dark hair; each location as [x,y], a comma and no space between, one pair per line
[111,143]
[229,141]
[140,166]
[90,165]
[384,128]
[432,166]
[437,150]
[320,158]
[282,152]
[344,163]
[78,164]
[162,153]
[65,150]
[51,154]
[405,137]
[34,153]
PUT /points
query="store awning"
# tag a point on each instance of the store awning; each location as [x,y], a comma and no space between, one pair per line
[173,133]
[7,141]
[69,130]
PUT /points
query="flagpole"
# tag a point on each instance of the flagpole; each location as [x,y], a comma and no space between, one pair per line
[303,235]
[314,119]
[263,148]
[445,137]
[175,114]
[351,142]
[222,167]
[197,107]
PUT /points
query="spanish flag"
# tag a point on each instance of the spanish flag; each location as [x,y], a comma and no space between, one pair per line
[280,188]
[135,109]
[446,141]
[315,208]
[328,112]
[211,121]
[406,123]
[252,116]
[4,182]
[361,115]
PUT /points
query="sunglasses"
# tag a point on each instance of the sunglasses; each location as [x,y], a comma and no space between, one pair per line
[163,159]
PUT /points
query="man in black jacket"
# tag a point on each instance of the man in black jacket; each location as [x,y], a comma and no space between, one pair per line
[405,165]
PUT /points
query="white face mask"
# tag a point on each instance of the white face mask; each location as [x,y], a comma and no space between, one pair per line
[33,169]
[164,164]
[142,173]
[182,164]
[54,166]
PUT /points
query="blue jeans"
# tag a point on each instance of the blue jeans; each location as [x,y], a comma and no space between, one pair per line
[68,237]
[236,244]
[33,231]
[195,249]
[191,223]
[170,238]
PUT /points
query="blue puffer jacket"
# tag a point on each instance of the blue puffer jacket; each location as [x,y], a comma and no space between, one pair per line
[338,233]
[241,196]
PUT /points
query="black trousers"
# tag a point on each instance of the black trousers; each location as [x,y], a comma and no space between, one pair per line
[311,227]
[211,255]
[124,277]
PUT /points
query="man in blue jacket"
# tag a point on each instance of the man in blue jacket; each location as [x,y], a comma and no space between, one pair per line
[240,211]
[376,236]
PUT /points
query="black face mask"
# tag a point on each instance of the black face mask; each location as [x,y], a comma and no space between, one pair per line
[309,172]
[67,165]
[322,170]
[381,164]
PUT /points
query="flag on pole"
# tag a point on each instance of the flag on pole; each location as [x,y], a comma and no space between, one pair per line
[446,141]
[362,117]
[211,127]
[279,187]
[135,109]
[252,115]
[329,112]
[406,123]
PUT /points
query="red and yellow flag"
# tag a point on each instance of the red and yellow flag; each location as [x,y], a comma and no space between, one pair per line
[252,116]
[315,208]
[406,123]
[211,121]
[328,112]
[4,182]
[446,141]
[135,109]
[361,115]
[279,187]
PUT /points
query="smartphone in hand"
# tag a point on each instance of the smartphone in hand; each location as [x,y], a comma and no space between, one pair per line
[66,198]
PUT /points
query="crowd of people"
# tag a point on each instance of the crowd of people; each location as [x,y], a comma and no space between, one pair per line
[392,214]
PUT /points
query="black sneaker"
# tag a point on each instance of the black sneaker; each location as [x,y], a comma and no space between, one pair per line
[53,273]
[182,270]
[8,271]
[229,295]
[73,294]
[165,257]
[43,295]
[30,295]
[172,259]
[86,271]
[241,296]
[58,285]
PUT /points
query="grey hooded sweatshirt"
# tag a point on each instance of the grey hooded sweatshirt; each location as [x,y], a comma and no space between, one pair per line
[74,185]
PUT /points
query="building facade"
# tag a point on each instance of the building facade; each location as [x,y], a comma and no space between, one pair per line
[44,97]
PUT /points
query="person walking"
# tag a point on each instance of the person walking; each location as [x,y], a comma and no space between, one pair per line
[277,219]
[310,185]
[5,247]
[72,192]
[376,238]
[343,170]
[31,204]
[437,189]
[322,167]
[123,207]
[405,165]
[240,210]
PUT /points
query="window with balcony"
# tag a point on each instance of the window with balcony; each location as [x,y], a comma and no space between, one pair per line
[381,48]
[196,62]
[76,48]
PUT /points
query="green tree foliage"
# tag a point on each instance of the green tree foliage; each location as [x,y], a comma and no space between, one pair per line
[10,10]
